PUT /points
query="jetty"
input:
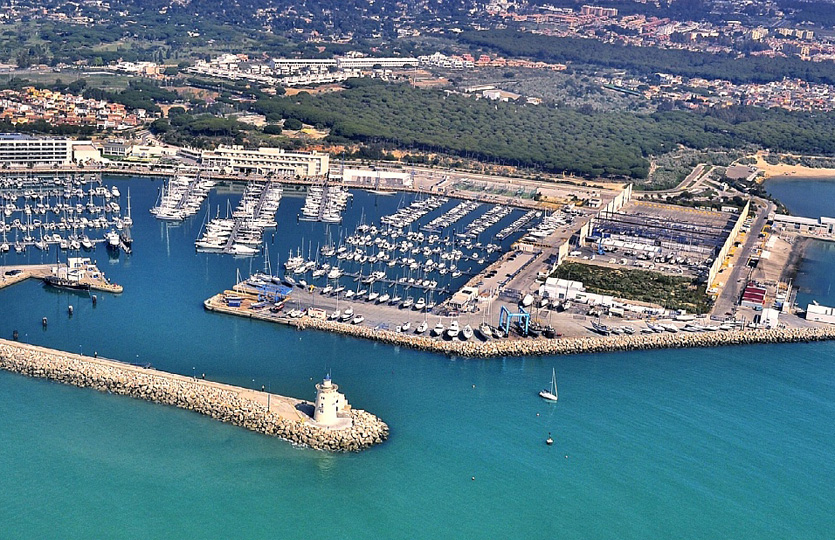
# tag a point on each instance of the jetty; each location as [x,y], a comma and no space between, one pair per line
[519,346]
[77,270]
[291,419]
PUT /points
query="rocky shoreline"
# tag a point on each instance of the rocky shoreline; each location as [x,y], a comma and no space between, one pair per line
[221,402]
[575,345]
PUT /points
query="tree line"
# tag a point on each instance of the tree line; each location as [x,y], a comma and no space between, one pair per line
[649,60]
[613,144]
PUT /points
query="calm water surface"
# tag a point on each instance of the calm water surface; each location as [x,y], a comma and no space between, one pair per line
[707,443]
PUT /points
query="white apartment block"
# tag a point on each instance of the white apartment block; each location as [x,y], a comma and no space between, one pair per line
[235,159]
[17,150]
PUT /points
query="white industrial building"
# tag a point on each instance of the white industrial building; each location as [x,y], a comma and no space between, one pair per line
[823,225]
[236,159]
[561,289]
[818,313]
[376,178]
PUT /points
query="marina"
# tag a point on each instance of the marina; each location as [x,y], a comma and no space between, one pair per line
[181,197]
[242,233]
[610,406]
[325,203]
[70,212]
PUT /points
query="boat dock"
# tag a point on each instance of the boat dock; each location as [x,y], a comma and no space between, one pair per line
[181,197]
[77,271]
[284,417]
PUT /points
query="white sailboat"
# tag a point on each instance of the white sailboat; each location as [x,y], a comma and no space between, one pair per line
[550,393]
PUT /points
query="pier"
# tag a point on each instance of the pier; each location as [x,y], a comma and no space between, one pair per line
[78,270]
[284,417]
[518,346]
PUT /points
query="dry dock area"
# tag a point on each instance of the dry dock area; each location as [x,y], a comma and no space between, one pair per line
[579,339]
[284,417]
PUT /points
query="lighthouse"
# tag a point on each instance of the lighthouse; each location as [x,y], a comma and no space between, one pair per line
[329,403]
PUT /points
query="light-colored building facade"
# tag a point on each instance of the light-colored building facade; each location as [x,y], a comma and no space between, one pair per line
[17,150]
[818,313]
[813,226]
[237,160]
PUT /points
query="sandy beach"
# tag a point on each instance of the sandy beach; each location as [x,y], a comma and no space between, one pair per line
[784,169]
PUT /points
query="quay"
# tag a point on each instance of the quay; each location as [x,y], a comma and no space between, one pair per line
[77,270]
[287,418]
[519,346]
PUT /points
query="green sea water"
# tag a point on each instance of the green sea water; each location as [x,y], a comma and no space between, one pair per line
[704,443]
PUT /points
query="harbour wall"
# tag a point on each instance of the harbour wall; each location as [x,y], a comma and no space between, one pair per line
[541,345]
[239,406]
[575,345]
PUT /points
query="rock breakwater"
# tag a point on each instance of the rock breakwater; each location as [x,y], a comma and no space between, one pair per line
[575,345]
[239,406]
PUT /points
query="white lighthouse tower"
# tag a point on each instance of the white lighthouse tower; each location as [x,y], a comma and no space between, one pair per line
[329,403]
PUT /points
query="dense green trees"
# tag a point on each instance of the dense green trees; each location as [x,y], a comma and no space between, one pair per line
[140,94]
[589,144]
[649,60]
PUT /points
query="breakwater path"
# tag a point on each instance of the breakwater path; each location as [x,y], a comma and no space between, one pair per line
[575,345]
[541,346]
[269,414]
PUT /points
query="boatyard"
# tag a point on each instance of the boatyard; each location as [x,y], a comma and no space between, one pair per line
[425,263]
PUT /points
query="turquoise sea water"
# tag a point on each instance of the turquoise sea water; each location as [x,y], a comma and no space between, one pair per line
[811,197]
[808,197]
[706,443]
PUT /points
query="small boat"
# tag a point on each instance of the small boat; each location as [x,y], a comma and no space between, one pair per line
[405,326]
[64,283]
[484,331]
[467,332]
[113,241]
[549,441]
[420,304]
[438,330]
[348,314]
[601,329]
[527,300]
[550,393]
[358,319]
[453,330]
[421,328]
[336,315]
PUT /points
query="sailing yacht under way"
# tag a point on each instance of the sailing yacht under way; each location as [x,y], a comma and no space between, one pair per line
[550,393]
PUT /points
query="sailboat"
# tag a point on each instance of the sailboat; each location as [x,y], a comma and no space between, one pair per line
[550,393]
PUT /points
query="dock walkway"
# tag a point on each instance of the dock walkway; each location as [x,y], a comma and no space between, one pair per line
[92,277]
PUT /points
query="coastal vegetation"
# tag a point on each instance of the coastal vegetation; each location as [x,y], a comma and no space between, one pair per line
[649,60]
[672,292]
[585,143]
